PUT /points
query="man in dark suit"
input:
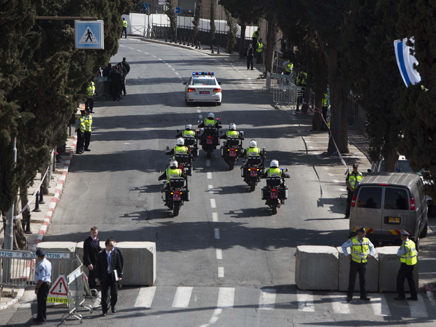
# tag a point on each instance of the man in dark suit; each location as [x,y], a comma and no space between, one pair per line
[91,249]
[109,272]
[250,54]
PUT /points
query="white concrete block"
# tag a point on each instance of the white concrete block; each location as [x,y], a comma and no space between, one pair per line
[60,266]
[389,264]
[139,263]
[372,269]
[317,268]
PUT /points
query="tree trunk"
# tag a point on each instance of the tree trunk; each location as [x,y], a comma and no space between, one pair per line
[270,43]
[242,41]
[338,98]
[317,117]
[212,22]
[306,99]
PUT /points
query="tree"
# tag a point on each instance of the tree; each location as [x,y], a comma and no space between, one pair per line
[196,21]
[417,106]
[231,33]
[170,12]
[212,22]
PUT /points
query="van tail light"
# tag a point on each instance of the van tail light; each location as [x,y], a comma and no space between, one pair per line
[412,204]
[353,201]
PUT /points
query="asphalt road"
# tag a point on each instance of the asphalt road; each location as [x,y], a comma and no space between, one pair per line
[224,261]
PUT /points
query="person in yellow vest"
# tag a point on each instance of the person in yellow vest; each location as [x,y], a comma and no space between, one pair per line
[90,91]
[361,250]
[255,36]
[289,67]
[80,130]
[409,258]
[172,172]
[232,133]
[180,148]
[88,127]
[353,179]
[124,29]
[325,104]
[259,50]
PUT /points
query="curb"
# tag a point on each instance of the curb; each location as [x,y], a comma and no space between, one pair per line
[429,293]
[47,220]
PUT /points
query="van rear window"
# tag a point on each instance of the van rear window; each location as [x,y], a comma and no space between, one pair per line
[369,197]
[396,198]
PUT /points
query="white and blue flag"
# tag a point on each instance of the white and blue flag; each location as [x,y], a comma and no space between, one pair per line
[405,61]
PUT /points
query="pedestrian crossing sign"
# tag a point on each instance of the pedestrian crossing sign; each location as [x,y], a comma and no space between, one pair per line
[59,291]
[89,34]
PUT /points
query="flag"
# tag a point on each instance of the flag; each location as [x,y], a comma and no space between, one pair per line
[405,61]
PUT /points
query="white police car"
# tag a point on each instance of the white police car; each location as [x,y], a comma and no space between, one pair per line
[203,87]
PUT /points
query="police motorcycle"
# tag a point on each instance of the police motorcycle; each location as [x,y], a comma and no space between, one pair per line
[232,149]
[191,139]
[275,192]
[209,135]
[175,189]
[253,167]
[183,158]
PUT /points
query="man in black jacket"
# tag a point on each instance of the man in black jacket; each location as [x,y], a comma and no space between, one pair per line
[91,249]
[250,54]
[109,272]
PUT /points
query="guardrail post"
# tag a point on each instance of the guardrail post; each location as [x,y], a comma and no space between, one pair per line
[41,194]
[37,203]
[184,40]
[199,45]
[211,47]
[218,49]
[196,44]
[27,230]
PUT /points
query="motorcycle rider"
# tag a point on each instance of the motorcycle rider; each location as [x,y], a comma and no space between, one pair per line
[180,148]
[210,121]
[253,151]
[187,132]
[172,172]
[275,171]
[232,133]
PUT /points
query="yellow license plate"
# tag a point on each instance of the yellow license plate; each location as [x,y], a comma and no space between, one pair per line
[394,220]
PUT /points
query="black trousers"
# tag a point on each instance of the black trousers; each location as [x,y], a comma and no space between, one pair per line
[349,199]
[89,104]
[124,32]
[87,139]
[356,267]
[406,272]
[42,301]
[80,139]
[91,278]
[111,284]
[249,62]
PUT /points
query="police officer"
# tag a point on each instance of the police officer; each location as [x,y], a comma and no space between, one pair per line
[88,126]
[124,29]
[172,172]
[353,179]
[274,170]
[252,150]
[80,129]
[408,256]
[289,67]
[90,91]
[232,133]
[259,49]
[361,250]
[42,280]
[255,36]
[180,148]
[187,132]
[210,121]
[325,104]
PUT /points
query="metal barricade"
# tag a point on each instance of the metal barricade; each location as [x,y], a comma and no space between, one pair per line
[78,288]
[285,95]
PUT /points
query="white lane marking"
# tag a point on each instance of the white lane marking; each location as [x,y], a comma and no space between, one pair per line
[209,175]
[207,163]
[220,272]
[226,297]
[145,297]
[339,304]
[160,59]
[182,297]
[267,299]
[122,46]
[305,301]
[210,188]
[212,203]
[214,318]
[139,50]
[417,308]
[131,48]
[216,233]
[219,254]
[342,189]
[380,306]
[214,216]
[146,53]
[177,73]
[199,111]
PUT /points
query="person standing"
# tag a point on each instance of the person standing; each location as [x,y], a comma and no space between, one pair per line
[259,50]
[88,126]
[126,69]
[409,258]
[90,91]
[80,129]
[124,29]
[361,250]
[91,249]
[250,54]
[353,179]
[42,280]
[109,272]
[255,36]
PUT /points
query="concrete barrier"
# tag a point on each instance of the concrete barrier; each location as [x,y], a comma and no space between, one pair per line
[389,264]
[372,272]
[317,267]
[60,266]
[139,263]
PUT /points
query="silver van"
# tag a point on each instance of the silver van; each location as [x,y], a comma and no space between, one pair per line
[386,204]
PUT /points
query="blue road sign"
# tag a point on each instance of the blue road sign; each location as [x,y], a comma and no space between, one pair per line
[146,5]
[177,10]
[89,34]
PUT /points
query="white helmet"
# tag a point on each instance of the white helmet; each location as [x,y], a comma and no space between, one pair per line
[180,141]
[253,144]
[188,126]
[174,164]
[232,127]
[211,115]
[274,164]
